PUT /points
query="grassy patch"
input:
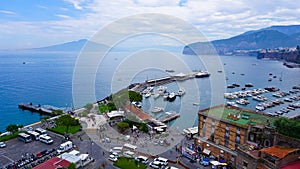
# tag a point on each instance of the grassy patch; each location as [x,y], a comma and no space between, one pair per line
[125,163]
[9,137]
[61,129]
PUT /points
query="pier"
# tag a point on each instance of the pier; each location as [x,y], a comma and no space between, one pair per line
[46,109]
[169,117]
[168,79]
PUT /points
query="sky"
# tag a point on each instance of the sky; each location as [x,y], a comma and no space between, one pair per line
[37,23]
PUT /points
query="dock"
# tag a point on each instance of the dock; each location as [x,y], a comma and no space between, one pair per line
[169,117]
[168,79]
[46,109]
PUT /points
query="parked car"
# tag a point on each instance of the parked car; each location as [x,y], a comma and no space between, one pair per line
[142,159]
[113,158]
[156,164]
[161,160]
[2,145]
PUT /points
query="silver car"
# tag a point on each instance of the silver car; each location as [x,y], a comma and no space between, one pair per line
[2,145]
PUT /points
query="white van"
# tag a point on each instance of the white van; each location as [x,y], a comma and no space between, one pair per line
[116,150]
[46,139]
[65,147]
[162,160]
[129,154]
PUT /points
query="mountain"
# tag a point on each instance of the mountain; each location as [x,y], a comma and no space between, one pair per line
[74,46]
[266,38]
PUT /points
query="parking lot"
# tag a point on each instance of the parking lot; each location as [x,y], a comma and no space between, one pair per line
[15,149]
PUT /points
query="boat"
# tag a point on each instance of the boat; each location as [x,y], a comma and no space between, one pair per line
[270,79]
[181,92]
[170,70]
[232,104]
[156,95]
[171,97]
[157,110]
[196,104]
[162,89]
[259,98]
[202,74]
[288,100]
[147,95]
[248,85]
[259,108]
[235,85]
[242,102]
[230,86]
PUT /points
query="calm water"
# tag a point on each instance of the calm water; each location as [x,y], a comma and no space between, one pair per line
[46,79]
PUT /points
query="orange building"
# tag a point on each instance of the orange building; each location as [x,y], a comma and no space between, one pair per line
[221,129]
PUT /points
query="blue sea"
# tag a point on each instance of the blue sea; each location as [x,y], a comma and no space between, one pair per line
[46,78]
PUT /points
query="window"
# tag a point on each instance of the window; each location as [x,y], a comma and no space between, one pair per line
[226,143]
[245,164]
[238,130]
[227,126]
[226,134]
[238,139]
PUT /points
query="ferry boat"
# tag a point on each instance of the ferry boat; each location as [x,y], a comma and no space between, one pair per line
[202,74]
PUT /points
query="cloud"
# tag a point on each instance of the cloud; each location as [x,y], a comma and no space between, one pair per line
[8,12]
[63,16]
[216,19]
[41,6]
[77,4]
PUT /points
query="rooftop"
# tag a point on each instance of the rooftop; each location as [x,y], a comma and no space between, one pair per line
[53,163]
[240,116]
[278,151]
[138,112]
[292,165]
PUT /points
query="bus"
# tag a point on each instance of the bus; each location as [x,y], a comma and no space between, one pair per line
[34,135]
[41,131]
[24,137]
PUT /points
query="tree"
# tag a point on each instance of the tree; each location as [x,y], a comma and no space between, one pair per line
[45,119]
[66,120]
[88,106]
[72,166]
[122,126]
[12,128]
[287,127]
[57,112]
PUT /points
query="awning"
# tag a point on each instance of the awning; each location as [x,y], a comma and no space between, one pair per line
[206,151]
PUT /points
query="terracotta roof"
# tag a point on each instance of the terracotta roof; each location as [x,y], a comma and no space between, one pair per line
[278,151]
[53,163]
[138,112]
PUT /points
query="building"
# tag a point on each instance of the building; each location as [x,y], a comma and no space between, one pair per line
[221,129]
[53,163]
[268,158]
